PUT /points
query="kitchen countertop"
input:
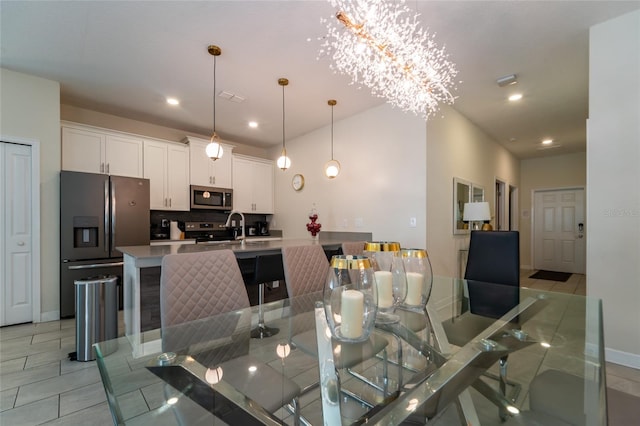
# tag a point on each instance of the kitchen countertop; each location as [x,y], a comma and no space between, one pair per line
[151,255]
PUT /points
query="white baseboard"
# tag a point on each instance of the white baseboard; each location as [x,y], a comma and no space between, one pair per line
[527,267]
[50,316]
[623,358]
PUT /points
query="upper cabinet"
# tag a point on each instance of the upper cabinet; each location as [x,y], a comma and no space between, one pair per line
[166,165]
[204,171]
[252,185]
[92,150]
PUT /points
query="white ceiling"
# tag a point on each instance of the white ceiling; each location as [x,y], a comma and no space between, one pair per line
[125,57]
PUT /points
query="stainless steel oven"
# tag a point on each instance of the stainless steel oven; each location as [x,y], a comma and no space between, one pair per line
[203,197]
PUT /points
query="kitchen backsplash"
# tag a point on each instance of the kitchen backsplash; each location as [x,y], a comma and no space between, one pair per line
[193,216]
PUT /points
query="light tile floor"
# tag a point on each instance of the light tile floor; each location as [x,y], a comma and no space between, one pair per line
[40,385]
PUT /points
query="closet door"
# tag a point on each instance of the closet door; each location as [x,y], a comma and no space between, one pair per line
[15,234]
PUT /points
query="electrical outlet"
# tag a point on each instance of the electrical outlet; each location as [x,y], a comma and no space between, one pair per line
[359,222]
[275,284]
[345,223]
[412,222]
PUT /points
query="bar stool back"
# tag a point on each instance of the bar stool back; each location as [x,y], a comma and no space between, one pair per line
[268,268]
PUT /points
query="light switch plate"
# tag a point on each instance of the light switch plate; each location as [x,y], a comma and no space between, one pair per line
[412,222]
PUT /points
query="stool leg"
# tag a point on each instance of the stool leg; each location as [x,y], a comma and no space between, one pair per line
[262,331]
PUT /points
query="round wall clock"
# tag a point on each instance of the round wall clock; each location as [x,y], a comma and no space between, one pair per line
[297,182]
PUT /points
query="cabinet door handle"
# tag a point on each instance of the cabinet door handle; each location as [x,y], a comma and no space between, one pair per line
[107,168]
[213,180]
[101,167]
[169,202]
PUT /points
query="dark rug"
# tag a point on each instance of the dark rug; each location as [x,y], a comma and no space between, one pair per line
[551,276]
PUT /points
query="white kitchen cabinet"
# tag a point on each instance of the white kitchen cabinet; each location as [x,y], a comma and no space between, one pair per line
[204,171]
[93,150]
[252,185]
[166,165]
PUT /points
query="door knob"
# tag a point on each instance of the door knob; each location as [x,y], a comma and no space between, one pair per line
[21,243]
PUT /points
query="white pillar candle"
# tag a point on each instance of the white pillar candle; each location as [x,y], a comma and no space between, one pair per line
[414,288]
[384,287]
[351,314]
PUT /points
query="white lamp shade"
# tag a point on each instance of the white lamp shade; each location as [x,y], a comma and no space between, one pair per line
[214,150]
[476,212]
[332,169]
[283,162]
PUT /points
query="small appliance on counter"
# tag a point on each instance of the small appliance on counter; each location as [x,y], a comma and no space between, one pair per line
[262,228]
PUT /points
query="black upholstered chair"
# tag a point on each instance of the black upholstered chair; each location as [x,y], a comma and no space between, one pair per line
[493,283]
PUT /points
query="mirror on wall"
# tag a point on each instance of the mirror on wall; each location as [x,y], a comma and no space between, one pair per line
[461,195]
[477,193]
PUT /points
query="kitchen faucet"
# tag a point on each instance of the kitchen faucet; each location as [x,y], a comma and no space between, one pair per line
[241,237]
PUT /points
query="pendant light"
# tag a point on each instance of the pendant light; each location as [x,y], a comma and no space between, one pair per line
[214,148]
[283,162]
[332,167]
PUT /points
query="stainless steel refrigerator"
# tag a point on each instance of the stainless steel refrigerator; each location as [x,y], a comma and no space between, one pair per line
[97,214]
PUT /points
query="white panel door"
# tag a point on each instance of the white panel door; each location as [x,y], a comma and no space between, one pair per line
[559,237]
[15,192]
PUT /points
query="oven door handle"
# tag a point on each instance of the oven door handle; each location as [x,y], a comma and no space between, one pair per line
[95,265]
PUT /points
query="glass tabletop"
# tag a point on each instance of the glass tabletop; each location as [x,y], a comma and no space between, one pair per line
[432,359]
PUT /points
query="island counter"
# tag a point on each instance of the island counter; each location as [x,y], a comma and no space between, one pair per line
[138,257]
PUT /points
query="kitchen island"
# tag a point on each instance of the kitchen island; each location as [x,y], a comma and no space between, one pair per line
[139,257]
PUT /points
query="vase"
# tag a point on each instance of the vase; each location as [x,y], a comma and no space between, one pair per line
[391,280]
[419,274]
[349,299]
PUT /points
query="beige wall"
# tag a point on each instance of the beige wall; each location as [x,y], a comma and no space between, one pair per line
[613,179]
[30,109]
[561,171]
[457,148]
[382,184]
[393,168]
[113,122]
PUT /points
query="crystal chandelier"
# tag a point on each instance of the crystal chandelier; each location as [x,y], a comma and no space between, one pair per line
[381,45]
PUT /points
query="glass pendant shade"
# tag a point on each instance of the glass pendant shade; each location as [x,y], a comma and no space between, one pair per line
[391,280]
[214,148]
[332,169]
[417,266]
[283,161]
[349,299]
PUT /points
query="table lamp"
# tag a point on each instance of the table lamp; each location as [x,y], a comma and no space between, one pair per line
[477,214]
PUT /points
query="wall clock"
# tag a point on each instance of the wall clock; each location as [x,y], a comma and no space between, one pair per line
[297,182]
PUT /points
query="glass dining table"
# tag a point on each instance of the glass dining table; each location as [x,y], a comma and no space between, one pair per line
[436,364]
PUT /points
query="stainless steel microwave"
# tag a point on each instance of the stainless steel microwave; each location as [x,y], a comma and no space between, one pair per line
[203,197]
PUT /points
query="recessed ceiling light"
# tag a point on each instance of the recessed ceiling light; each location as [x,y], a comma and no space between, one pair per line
[253,124]
[547,142]
[515,97]
[173,101]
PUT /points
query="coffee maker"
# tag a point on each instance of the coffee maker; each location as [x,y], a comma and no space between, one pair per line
[263,228]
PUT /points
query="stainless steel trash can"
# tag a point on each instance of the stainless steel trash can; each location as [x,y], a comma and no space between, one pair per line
[96,313]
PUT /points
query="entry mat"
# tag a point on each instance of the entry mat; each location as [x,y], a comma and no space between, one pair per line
[551,276]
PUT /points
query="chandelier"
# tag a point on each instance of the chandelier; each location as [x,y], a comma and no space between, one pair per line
[381,45]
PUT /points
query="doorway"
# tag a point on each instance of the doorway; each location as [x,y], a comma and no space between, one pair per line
[559,230]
